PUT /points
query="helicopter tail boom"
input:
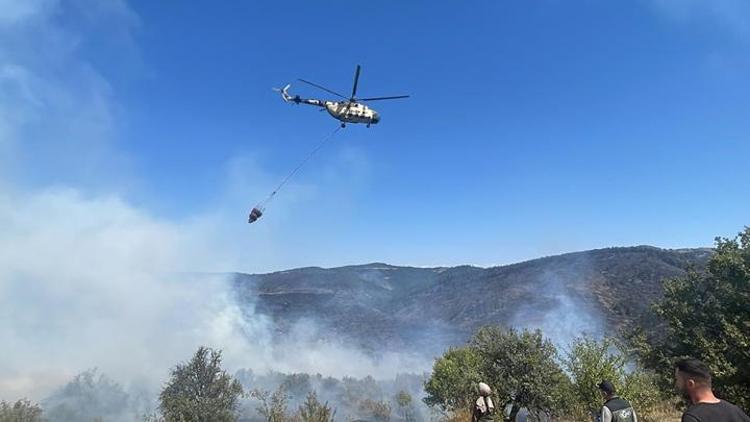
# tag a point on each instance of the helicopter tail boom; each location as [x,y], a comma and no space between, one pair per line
[296,99]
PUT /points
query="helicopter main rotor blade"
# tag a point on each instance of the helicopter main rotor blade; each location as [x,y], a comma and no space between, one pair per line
[323,88]
[383,98]
[356,81]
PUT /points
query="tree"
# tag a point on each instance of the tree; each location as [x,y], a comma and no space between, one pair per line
[378,410]
[589,362]
[89,395]
[707,317]
[272,406]
[405,408]
[153,417]
[355,389]
[522,368]
[641,388]
[20,411]
[199,390]
[297,385]
[314,411]
[454,379]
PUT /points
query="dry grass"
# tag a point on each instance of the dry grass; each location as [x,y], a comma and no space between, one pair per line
[463,415]
[663,413]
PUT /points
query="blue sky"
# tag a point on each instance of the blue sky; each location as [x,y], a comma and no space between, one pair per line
[534,128]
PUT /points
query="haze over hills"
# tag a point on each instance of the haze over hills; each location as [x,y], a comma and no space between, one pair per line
[383,307]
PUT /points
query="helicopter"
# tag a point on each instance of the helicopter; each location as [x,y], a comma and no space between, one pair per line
[348,110]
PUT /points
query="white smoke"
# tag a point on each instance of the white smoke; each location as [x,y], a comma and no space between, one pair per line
[558,313]
[89,278]
[96,282]
[84,283]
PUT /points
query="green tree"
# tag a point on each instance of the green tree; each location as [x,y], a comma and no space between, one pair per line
[405,408]
[313,410]
[641,388]
[522,368]
[589,362]
[20,411]
[199,390]
[707,317]
[273,407]
[454,379]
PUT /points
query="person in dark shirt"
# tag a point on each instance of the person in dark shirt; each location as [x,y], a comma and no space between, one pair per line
[693,380]
[615,409]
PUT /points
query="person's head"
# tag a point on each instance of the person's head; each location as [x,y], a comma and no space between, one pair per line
[691,376]
[606,388]
[484,389]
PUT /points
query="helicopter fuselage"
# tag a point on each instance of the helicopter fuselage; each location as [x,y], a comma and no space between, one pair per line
[349,112]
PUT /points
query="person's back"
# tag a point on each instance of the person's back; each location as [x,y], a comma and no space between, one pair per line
[615,409]
[619,410]
[709,412]
[484,408]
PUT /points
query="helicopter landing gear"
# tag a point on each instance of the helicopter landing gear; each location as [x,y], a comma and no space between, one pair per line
[368,125]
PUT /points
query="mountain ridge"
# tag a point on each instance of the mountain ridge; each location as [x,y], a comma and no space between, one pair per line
[380,306]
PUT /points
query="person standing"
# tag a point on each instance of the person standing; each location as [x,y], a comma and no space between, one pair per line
[484,408]
[615,409]
[693,380]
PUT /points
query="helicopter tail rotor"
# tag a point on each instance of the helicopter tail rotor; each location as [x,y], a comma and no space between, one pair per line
[284,92]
